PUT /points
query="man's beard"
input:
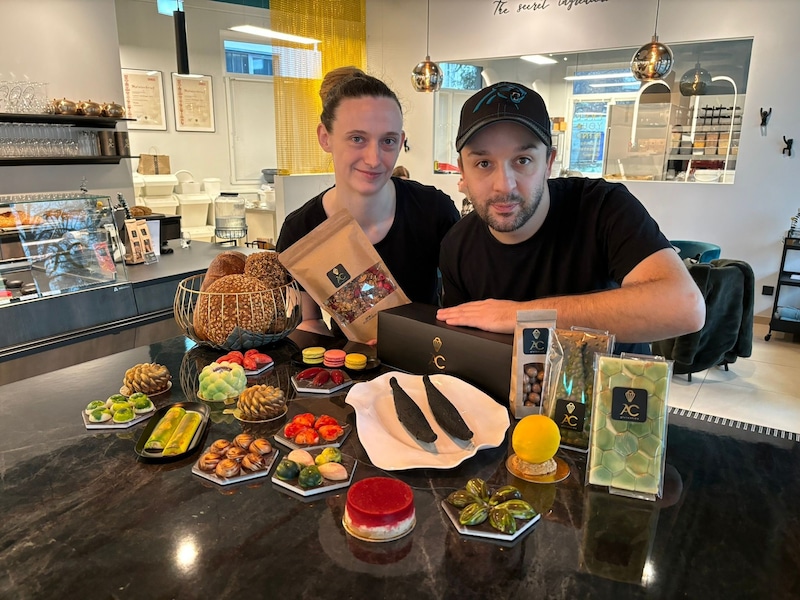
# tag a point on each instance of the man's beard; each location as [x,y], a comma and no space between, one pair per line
[527,210]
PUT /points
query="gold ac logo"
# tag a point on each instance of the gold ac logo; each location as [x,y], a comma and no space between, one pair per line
[569,419]
[632,410]
[438,359]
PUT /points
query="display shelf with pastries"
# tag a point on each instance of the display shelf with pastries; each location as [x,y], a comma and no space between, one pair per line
[56,243]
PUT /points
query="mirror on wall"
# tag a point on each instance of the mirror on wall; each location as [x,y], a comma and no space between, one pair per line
[607,124]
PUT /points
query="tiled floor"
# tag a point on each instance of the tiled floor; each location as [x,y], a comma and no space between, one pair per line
[763,389]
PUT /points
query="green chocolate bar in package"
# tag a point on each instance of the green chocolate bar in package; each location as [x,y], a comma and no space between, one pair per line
[629,424]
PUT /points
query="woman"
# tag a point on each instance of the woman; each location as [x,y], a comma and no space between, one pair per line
[362,129]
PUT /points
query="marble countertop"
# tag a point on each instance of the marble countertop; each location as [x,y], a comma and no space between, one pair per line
[84,518]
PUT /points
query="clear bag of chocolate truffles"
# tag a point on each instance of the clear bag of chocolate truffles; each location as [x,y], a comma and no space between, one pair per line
[569,402]
[627,450]
[535,357]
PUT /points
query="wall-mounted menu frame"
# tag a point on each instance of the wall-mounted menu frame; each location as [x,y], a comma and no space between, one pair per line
[193,99]
[144,99]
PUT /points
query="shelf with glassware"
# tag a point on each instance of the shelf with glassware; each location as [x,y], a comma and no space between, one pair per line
[50,139]
[708,150]
[636,139]
[56,243]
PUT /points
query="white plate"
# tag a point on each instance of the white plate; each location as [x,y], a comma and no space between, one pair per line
[391,447]
[110,424]
[244,474]
[328,485]
[484,530]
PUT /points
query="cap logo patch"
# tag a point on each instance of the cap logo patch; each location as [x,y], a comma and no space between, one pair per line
[512,93]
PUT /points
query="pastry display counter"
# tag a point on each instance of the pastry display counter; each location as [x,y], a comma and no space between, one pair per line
[85,516]
[146,293]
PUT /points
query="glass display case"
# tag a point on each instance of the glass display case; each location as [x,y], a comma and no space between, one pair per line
[56,243]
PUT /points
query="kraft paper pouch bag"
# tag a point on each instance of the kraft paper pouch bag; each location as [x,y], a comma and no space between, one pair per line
[535,357]
[569,402]
[341,270]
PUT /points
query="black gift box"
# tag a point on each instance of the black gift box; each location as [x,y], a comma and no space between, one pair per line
[411,339]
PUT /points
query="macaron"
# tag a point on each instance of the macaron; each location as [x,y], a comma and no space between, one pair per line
[313,355]
[355,361]
[334,358]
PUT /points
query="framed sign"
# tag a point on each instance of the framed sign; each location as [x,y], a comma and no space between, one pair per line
[144,99]
[194,102]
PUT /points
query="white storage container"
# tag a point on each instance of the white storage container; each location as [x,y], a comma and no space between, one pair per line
[212,186]
[200,234]
[138,184]
[159,185]
[163,205]
[193,209]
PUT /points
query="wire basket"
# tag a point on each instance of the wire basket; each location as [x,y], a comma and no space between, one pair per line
[238,321]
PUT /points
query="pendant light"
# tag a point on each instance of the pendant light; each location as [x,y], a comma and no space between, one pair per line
[695,81]
[653,61]
[427,76]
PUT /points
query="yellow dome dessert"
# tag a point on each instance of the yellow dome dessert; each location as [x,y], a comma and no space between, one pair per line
[536,439]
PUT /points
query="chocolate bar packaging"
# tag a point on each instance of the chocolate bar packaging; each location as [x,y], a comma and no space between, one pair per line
[535,359]
[627,451]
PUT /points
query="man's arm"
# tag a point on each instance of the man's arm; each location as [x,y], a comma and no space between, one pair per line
[658,299]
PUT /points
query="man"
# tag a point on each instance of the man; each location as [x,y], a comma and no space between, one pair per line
[585,247]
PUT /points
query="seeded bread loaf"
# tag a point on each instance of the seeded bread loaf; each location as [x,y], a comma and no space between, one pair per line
[230,262]
[231,301]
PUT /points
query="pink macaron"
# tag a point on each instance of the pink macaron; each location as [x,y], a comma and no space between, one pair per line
[334,358]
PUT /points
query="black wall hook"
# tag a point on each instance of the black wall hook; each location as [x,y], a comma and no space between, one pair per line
[406,147]
[765,115]
[788,150]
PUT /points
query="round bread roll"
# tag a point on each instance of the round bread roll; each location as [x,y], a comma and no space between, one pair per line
[233,300]
[230,262]
[266,267]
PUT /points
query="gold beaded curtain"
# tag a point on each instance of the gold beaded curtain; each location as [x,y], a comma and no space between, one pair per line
[341,27]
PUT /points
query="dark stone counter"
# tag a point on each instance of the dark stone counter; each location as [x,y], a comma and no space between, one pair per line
[83,518]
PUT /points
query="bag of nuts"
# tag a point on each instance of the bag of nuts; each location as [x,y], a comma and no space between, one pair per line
[341,270]
[569,402]
[535,356]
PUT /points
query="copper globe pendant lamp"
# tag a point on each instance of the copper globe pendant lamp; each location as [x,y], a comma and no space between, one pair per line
[427,76]
[695,81]
[653,61]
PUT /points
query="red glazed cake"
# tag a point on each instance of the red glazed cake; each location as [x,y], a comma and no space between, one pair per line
[379,509]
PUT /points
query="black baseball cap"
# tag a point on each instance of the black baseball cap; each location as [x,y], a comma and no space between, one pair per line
[504,101]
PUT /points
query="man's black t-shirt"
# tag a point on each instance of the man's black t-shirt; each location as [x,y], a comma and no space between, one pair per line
[594,234]
[410,249]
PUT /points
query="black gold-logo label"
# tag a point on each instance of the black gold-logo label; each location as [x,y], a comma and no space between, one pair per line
[629,404]
[534,340]
[338,276]
[570,415]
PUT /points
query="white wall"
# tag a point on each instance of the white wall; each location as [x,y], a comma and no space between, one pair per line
[71,45]
[147,41]
[747,219]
